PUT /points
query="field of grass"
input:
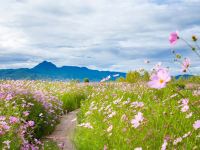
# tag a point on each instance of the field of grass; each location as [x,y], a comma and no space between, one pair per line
[112,115]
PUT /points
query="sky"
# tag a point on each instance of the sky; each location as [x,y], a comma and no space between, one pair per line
[116,35]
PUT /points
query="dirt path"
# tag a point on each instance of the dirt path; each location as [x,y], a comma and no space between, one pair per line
[64,131]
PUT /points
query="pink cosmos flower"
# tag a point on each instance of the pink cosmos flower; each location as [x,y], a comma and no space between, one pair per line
[4,127]
[186,64]
[184,106]
[105,147]
[2,118]
[31,123]
[110,128]
[196,125]
[185,101]
[86,125]
[1,95]
[139,116]
[177,140]
[137,104]
[137,120]
[164,145]
[173,38]
[9,96]
[160,79]
[26,113]
[13,120]
[135,123]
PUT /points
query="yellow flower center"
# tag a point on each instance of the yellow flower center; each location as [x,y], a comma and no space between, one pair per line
[161,81]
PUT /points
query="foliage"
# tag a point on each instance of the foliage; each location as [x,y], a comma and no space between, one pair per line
[86,80]
[133,76]
[72,100]
[136,76]
[50,145]
[121,79]
[146,76]
[75,81]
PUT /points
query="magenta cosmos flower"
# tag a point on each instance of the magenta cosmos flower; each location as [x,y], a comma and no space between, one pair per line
[173,38]
[13,120]
[31,123]
[160,79]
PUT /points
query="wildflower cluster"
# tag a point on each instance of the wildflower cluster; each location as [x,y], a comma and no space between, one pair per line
[26,109]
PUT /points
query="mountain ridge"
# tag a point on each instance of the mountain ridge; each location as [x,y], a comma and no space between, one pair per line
[49,71]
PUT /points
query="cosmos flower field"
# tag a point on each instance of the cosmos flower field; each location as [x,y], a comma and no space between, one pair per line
[112,115]
[125,116]
[29,110]
[156,111]
[142,111]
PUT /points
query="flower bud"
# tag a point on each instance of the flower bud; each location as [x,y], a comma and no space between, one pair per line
[193,48]
[194,38]
[178,56]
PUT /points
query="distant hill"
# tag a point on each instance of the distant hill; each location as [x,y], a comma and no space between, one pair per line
[49,71]
[185,76]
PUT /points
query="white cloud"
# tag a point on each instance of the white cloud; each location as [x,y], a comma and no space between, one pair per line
[114,35]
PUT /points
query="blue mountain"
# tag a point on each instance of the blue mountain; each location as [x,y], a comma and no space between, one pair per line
[184,76]
[49,71]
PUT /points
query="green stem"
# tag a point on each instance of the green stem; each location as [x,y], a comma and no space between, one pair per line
[186,42]
[197,45]
[197,53]
[181,62]
[190,46]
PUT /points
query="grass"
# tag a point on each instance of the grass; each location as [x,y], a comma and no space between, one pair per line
[50,145]
[72,100]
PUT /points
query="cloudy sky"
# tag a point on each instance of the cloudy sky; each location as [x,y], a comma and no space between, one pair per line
[100,34]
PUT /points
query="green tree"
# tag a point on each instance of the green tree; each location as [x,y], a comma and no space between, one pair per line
[121,79]
[146,76]
[133,77]
[86,80]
